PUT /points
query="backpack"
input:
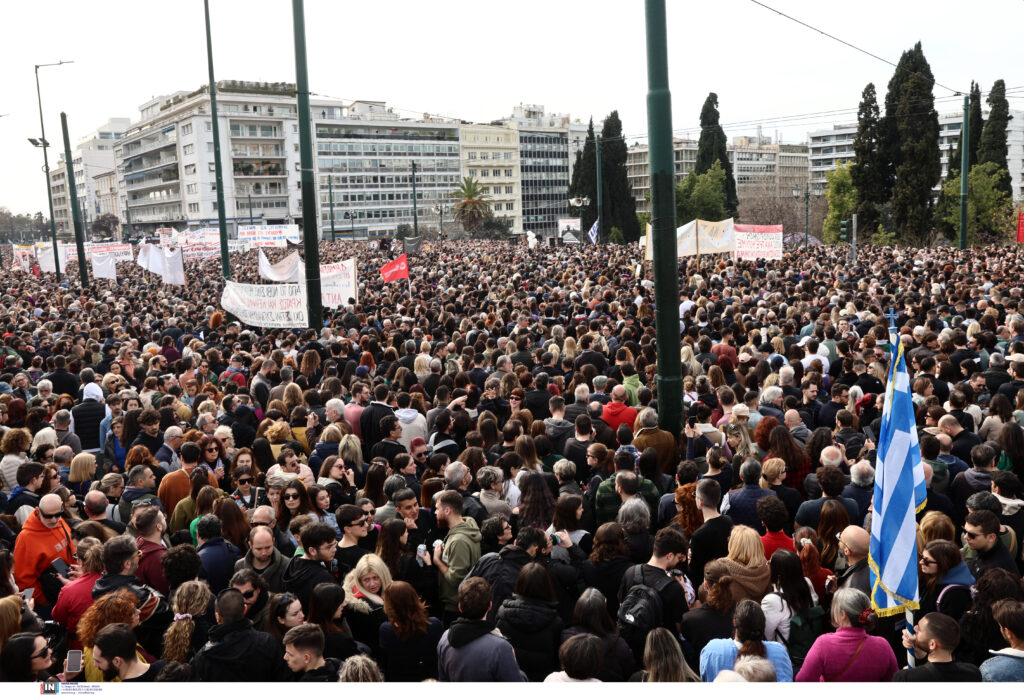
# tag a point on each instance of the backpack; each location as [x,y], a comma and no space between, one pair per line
[641,609]
[804,628]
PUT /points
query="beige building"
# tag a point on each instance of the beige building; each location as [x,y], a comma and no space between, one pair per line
[757,165]
[490,155]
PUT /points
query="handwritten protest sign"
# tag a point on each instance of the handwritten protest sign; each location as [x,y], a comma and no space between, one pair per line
[267,306]
[758,241]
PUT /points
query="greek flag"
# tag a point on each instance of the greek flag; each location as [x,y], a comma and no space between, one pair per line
[592,234]
[899,494]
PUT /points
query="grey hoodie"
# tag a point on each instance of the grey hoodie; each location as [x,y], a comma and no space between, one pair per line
[558,432]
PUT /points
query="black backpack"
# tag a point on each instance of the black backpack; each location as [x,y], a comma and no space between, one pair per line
[641,609]
[804,628]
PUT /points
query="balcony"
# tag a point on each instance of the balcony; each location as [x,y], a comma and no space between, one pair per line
[164,161]
[148,183]
[145,147]
[263,153]
[250,170]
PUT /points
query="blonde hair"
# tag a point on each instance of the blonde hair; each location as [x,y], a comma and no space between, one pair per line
[10,617]
[772,469]
[191,599]
[367,564]
[331,434]
[745,547]
[81,468]
[360,669]
[278,432]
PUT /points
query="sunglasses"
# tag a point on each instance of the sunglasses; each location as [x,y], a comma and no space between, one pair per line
[293,496]
[212,448]
[49,516]
[357,523]
[41,653]
[248,594]
[972,536]
[514,398]
[143,503]
[245,481]
[420,455]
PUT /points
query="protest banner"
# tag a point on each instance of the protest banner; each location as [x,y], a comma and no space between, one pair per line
[411,245]
[288,269]
[104,265]
[338,283]
[194,252]
[758,241]
[397,269]
[701,237]
[266,306]
[168,236]
[270,236]
[570,225]
[24,257]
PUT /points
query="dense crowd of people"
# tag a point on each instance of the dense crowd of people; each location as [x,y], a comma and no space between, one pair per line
[465,478]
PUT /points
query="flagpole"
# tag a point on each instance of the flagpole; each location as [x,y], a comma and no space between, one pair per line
[911,657]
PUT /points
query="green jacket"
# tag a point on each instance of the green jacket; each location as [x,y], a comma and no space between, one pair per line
[632,385]
[607,501]
[461,552]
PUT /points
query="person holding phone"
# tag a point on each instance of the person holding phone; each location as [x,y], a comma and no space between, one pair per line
[44,554]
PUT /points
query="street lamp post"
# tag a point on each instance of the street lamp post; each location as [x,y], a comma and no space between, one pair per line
[46,163]
[351,216]
[441,210]
[807,208]
[579,204]
[330,193]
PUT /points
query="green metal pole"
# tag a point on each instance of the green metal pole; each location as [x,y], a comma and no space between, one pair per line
[250,209]
[309,196]
[663,220]
[352,226]
[225,263]
[600,196]
[76,211]
[440,222]
[807,213]
[330,192]
[965,134]
[46,169]
[415,207]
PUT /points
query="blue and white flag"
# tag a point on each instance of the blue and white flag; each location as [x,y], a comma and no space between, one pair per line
[899,494]
[592,234]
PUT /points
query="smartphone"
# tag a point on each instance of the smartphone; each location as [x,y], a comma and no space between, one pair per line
[692,421]
[74,660]
[61,567]
[870,434]
[27,593]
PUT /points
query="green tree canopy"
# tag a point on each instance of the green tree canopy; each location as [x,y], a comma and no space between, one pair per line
[867,171]
[842,201]
[993,137]
[584,180]
[989,208]
[919,167]
[711,148]
[471,207]
[619,206]
[702,196]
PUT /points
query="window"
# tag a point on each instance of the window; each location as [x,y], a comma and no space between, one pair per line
[209,126]
[508,155]
[508,190]
[472,156]
[496,172]
[192,188]
[508,172]
[193,207]
[510,206]
[484,155]
[497,207]
[485,172]
[496,155]
[209,147]
[186,129]
[188,149]
[190,169]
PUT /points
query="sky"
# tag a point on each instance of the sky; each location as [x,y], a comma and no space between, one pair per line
[477,60]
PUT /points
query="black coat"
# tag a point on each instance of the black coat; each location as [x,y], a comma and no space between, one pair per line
[606,578]
[301,577]
[218,559]
[413,660]
[534,630]
[238,653]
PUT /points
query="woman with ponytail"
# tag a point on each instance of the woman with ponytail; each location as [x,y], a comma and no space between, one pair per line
[713,620]
[189,631]
[850,654]
[748,640]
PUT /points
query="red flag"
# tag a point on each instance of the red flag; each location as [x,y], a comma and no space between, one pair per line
[397,269]
[1020,227]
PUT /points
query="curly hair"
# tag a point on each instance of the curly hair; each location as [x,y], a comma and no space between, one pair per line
[191,599]
[609,543]
[138,455]
[688,518]
[763,431]
[116,607]
[16,441]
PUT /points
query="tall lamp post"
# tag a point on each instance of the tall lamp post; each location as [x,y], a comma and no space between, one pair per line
[579,204]
[351,216]
[441,210]
[46,162]
[807,208]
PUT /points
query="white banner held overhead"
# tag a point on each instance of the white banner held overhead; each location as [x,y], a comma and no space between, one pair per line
[338,283]
[104,265]
[758,241]
[269,236]
[174,266]
[288,269]
[701,237]
[266,306]
[168,236]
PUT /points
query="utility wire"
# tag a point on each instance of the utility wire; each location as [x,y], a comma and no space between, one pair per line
[845,43]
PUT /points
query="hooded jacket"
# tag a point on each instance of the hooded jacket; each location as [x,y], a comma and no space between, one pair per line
[748,582]
[558,431]
[321,450]
[471,652]
[131,494]
[534,630]
[273,574]
[35,549]
[301,577]
[632,385]
[150,570]
[238,653]
[88,415]
[328,673]
[615,414]
[500,569]
[413,425]
[218,562]
[461,552]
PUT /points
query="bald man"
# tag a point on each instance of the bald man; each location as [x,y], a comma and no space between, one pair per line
[618,412]
[796,426]
[95,505]
[853,544]
[44,538]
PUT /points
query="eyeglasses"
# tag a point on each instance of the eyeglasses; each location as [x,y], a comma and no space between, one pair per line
[420,455]
[926,561]
[49,516]
[148,502]
[212,448]
[293,496]
[42,652]
[245,481]
[971,535]
[248,594]
[514,398]
[361,522]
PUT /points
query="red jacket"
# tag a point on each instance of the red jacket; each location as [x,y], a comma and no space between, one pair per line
[36,548]
[150,571]
[74,600]
[774,540]
[616,414]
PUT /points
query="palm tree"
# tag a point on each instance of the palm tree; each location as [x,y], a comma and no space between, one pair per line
[472,208]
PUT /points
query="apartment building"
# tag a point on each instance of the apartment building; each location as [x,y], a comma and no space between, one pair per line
[490,155]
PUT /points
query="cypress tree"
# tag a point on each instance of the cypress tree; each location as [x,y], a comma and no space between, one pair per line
[619,205]
[868,169]
[910,63]
[584,180]
[993,138]
[919,168]
[712,147]
[975,120]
